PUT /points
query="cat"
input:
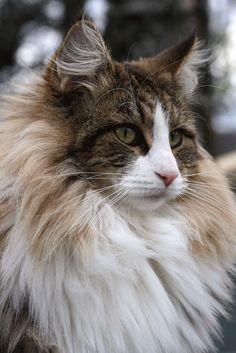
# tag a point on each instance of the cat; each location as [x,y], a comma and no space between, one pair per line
[117,227]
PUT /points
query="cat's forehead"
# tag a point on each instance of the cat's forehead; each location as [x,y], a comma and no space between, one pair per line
[132,96]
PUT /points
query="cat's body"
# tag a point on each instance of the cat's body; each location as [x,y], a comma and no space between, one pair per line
[86,267]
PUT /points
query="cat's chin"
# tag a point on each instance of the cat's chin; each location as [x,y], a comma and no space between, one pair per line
[149,203]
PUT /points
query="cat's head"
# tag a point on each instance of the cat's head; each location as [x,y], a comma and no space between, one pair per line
[133,133]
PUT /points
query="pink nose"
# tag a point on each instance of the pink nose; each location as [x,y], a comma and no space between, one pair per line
[167,177]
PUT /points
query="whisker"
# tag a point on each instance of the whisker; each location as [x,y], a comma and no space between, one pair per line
[197,174]
[208,200]
[208,173]
[99,202]
[75,223]
[220,88]
[155,72]
[117,195]
[199,116]
[72,205]
[106,93]
[202,184]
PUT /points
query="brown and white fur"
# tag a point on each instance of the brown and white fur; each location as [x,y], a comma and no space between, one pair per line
[97,253]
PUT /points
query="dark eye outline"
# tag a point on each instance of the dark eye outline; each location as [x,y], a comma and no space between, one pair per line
[179,143]
[138,134]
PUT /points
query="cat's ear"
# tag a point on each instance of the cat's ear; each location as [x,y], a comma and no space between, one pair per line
[80,58]
[180,63]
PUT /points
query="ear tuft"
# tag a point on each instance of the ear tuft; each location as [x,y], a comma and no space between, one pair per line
[81,55]
[180,63]
[187,74]
[174,57]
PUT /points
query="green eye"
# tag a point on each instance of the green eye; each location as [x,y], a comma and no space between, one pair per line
[175,138]
[126,135]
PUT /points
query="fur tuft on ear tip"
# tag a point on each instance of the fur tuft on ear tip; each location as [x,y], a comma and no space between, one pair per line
[188,72]
[81,54]
[180,63]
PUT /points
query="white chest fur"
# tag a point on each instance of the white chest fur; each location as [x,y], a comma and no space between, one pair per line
[135,289]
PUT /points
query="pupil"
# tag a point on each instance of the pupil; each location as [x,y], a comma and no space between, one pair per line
[125,132]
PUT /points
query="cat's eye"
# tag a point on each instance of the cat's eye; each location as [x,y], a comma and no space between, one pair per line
[126,134]
[175,138]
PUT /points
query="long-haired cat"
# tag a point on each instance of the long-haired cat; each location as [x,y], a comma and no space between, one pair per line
[117,228]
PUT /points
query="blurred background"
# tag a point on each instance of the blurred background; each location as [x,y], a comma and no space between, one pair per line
[30,30]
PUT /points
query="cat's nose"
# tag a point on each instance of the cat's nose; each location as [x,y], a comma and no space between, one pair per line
[167,177]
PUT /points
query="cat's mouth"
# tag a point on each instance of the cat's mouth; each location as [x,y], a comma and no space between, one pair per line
[163,195]
[153,196]
[153,201]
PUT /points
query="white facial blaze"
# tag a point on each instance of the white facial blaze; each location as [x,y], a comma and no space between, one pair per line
[145,179]
[160,154]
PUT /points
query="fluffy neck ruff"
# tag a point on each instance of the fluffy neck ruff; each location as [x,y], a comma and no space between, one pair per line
[133,286]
